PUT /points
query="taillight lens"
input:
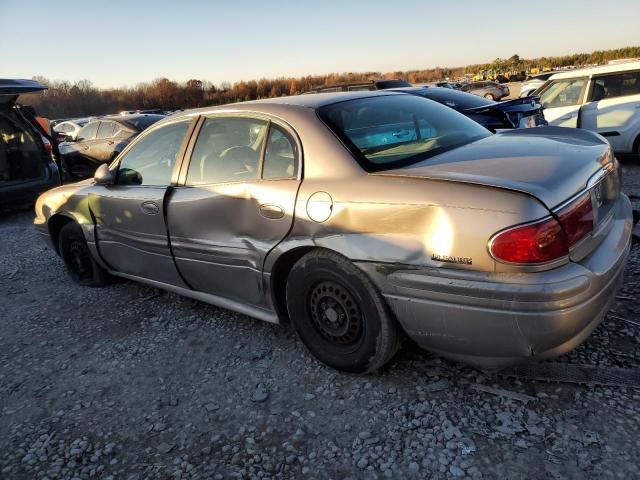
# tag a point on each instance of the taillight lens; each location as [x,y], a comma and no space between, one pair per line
[547,239]
[537,242]
[577,218]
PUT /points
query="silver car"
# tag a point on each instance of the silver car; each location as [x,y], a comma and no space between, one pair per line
[360,218]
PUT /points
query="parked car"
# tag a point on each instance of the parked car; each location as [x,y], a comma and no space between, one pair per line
[100,141]
[361,86]
[533,82]
[604,99]
[487,89]
[518,113]
[358,218]
[27,162]
[69,128]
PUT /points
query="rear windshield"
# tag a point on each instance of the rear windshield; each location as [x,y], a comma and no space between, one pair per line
[392,131]
[455,98]
[144,121]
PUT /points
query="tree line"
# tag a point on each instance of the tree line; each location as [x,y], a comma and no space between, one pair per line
[64,99]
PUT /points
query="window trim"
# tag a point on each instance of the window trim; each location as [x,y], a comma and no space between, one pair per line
[181,180]
[114,166]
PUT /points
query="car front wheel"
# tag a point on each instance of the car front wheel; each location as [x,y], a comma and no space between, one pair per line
[339,315]
[81,266]
[488,96]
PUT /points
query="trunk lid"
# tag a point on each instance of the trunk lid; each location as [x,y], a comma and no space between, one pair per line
[10,86]
[550,163]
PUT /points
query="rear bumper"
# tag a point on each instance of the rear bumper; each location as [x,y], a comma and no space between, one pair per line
[26,193]
[494,320]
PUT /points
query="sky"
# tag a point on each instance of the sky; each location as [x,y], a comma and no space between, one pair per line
[117,42]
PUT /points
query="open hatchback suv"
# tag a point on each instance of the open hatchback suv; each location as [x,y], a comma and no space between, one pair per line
[27,163]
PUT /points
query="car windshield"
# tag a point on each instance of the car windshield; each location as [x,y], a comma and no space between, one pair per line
[396,130]
[144,121]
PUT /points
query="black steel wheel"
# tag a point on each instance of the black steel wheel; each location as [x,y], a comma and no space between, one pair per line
[80,264]
[339,314]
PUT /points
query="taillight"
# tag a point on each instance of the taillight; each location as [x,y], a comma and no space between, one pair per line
[577,218]
[547,239]
[537,242]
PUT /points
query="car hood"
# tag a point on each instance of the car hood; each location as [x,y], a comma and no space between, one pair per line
[550,163]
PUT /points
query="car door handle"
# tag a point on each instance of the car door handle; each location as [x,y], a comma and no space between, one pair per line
[150,208]
[109,143]
[566,117]
[271,211]
[85,148]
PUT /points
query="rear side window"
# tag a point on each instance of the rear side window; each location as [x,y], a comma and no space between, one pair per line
[228,150]
[88,132]
[616,85]
[279,156]
[396,130]
[151,160]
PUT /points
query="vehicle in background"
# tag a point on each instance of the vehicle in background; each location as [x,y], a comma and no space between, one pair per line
[518,113]
[533,82]
[27,163]
[604,99]
[69,128]
[453,85]
[410,218]
[100,141]
[487,89]
[361,86]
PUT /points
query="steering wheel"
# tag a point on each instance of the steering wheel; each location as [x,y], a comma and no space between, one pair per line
[243,155]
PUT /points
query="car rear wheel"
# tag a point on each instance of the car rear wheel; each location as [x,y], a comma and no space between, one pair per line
[488,96]
[339,315]
[81,266]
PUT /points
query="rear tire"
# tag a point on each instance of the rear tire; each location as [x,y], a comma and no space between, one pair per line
[80,264]
[489,96]
[339,315]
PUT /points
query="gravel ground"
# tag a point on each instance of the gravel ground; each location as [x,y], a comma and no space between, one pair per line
[130,382]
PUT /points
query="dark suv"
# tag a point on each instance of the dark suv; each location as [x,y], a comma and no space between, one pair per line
[27,163]
[360,86]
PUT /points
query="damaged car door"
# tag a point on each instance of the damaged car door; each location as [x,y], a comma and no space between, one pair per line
[131,233]
[234,204]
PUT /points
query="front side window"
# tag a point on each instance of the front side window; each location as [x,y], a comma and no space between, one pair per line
[106,129]
[228,150]
[88,132]
[562,93]
[387,131]
[279,155]
[151,160]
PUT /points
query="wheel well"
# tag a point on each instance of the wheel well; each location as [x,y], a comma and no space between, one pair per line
[55,225]
[636,145]
[279,276]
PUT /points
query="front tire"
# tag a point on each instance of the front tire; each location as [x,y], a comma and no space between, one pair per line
[489,96]
[339,315]
[80,264]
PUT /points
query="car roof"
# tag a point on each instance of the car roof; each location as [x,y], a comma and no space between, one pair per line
[602,69]
[310,100]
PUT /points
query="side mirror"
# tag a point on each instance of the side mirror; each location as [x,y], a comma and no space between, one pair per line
[103,175]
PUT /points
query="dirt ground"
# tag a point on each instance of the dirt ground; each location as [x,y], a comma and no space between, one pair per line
[128,382]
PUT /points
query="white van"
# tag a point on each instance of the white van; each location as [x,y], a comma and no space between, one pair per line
[603,99]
